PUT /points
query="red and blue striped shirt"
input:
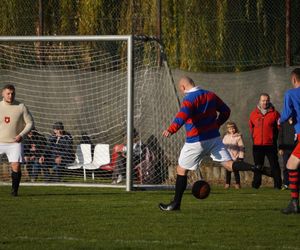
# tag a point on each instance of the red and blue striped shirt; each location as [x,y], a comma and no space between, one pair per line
[202,112]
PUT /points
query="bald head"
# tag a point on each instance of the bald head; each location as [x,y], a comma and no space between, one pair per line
[185,83]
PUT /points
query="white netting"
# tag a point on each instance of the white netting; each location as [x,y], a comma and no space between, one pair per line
[84,86]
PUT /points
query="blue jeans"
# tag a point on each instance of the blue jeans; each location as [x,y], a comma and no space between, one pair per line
[29,168]
[38,168]
[57,170]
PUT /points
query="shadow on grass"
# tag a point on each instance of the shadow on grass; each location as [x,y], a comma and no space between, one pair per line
[248,209]
[69,194]
[253,209]
[102,193]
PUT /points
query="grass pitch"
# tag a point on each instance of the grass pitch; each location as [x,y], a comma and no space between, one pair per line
[96,218]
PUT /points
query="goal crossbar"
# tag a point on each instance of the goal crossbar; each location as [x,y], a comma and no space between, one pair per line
[64,38]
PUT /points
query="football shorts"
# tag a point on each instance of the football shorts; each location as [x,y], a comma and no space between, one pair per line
[296,151]
[192,154]
[13,151]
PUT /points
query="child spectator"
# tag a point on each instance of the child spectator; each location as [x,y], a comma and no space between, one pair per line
[235,145]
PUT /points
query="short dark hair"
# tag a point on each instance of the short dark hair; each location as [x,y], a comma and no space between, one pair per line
[58,125]
[9,86]
[264,94]
[296,72]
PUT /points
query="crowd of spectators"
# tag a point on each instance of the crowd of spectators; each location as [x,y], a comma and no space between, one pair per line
[48,155]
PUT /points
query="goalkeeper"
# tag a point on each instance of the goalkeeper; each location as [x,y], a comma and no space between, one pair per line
[15,123]
[202,112]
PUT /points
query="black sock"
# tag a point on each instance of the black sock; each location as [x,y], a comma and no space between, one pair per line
[16,178]
[19,177]
[242,166]
[266,171]
[181,182]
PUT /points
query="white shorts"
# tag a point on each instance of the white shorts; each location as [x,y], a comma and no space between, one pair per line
[13,151]
[192,154]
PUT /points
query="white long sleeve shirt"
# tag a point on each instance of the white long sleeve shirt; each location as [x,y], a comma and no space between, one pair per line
[15,119]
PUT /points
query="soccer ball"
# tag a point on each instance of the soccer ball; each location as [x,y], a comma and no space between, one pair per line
[201,189]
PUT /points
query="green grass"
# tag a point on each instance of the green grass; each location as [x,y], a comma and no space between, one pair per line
[96,218]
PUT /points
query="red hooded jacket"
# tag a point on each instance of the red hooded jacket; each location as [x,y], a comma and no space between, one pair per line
[264,128]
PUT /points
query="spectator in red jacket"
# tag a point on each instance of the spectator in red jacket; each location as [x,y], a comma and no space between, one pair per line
[264,125]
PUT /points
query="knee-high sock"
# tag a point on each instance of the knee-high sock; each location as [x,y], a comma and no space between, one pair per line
[181,182]
[16,178]
[293,184]
[242,166]
[266,171]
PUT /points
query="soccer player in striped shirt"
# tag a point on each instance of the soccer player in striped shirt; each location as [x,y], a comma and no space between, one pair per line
[202,112]
[291,109]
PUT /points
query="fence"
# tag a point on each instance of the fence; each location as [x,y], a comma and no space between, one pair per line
[199,35]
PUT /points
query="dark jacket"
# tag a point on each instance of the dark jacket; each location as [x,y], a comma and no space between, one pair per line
[286,138]
[62,147]
[35,145]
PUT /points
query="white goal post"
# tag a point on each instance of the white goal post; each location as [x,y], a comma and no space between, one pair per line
[84,81]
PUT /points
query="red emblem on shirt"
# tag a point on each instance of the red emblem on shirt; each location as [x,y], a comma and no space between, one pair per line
[7,119]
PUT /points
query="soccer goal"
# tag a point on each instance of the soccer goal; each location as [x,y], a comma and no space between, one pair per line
[114,95]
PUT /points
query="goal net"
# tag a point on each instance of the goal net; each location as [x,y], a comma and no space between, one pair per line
[81,87]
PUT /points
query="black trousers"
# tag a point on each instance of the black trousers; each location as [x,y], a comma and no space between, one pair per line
[259,154]
[285,157]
